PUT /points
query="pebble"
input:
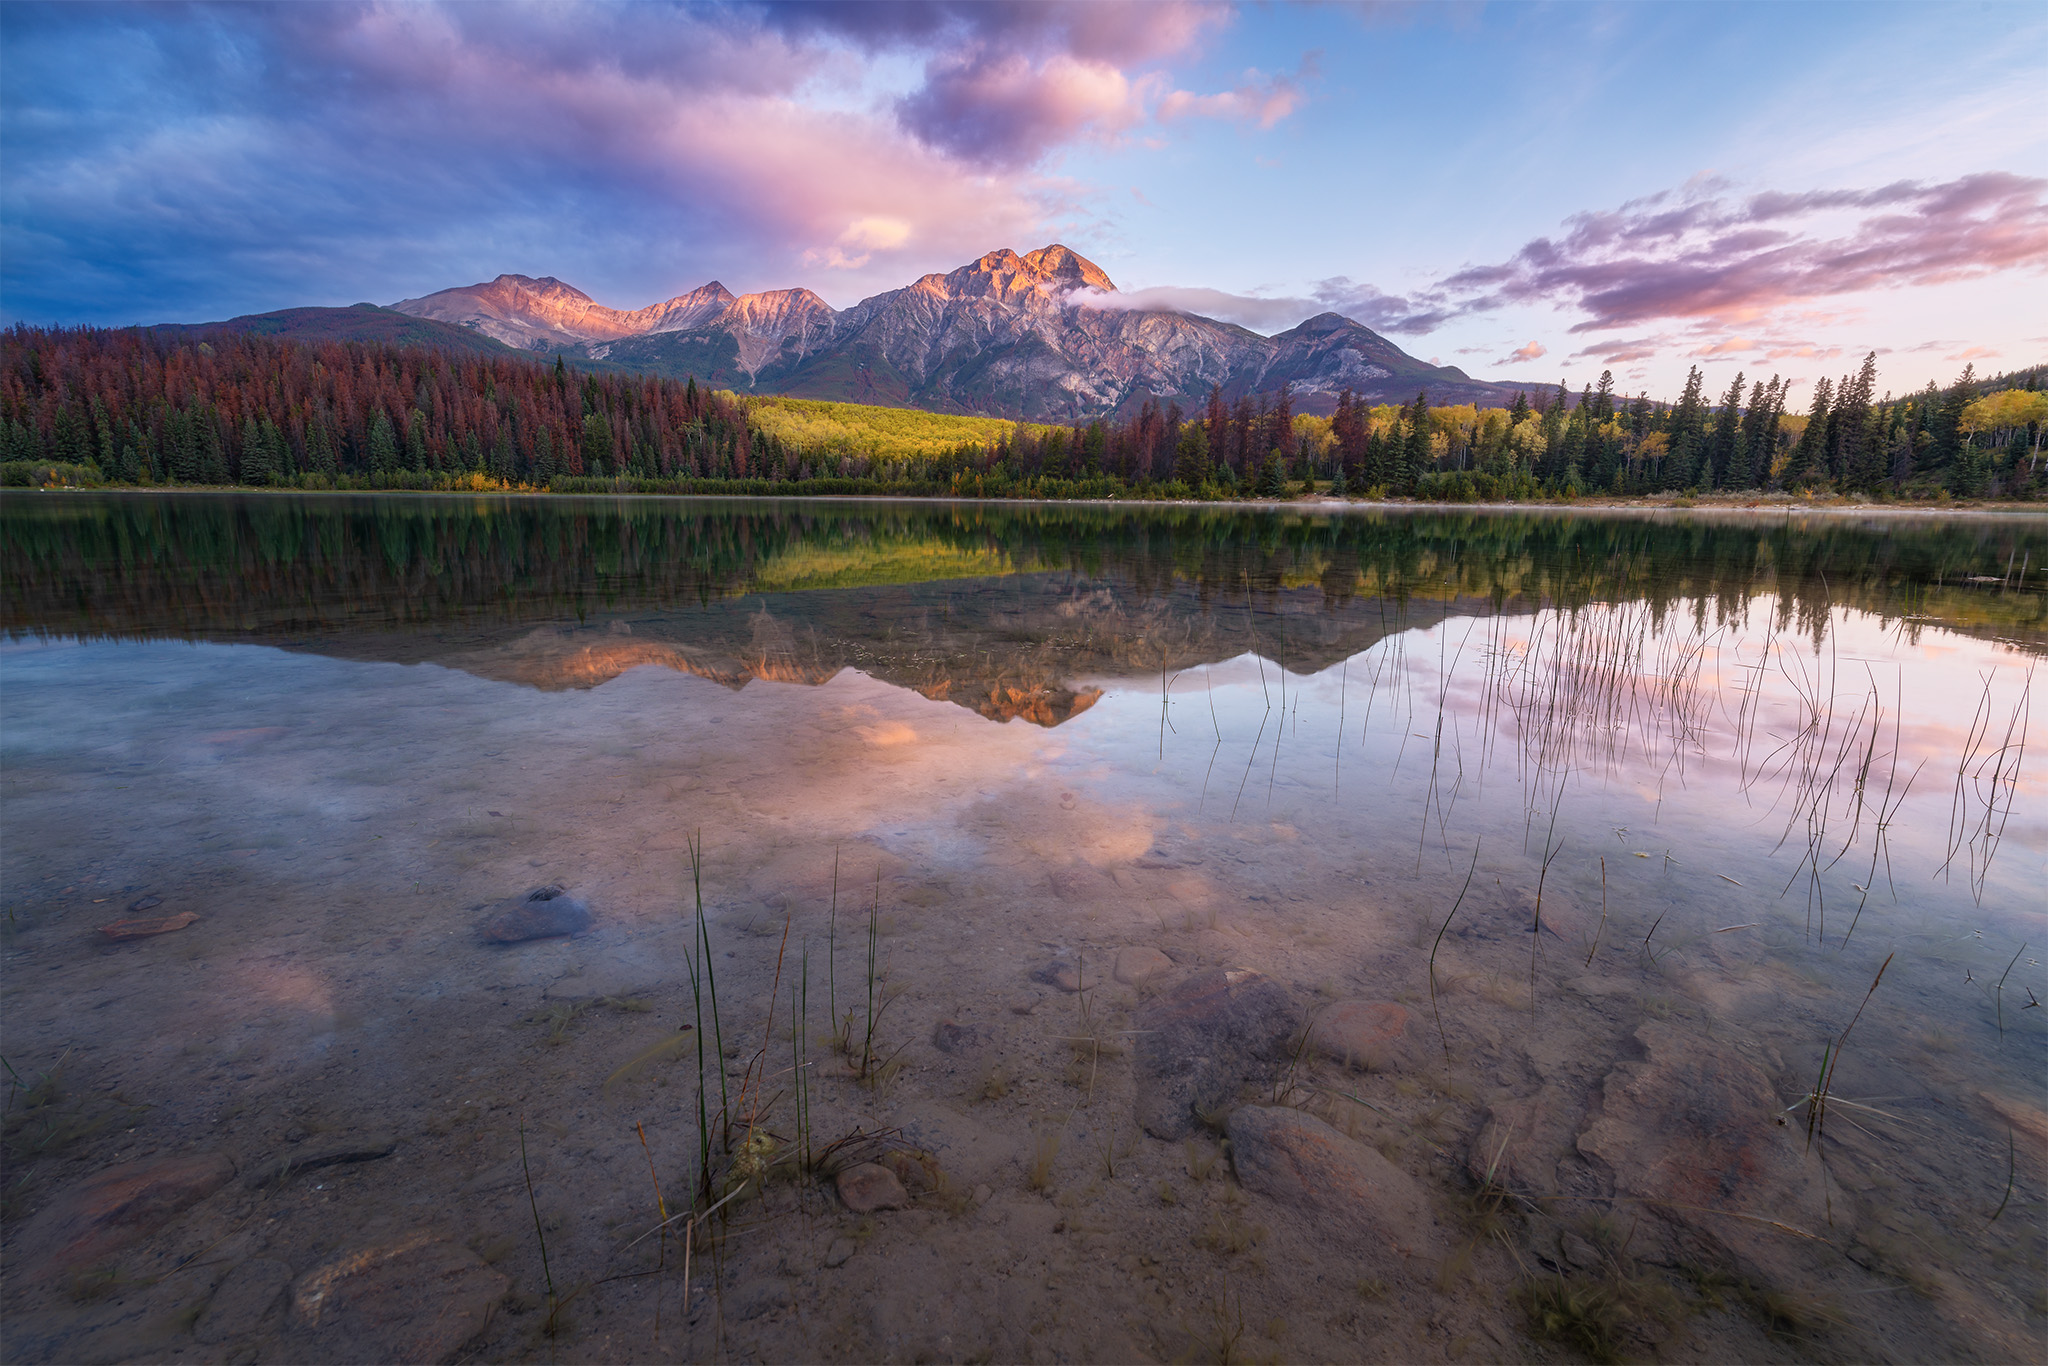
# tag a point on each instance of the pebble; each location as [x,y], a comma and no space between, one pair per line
[543,913]
[869,1186]
[244,1300]
[841,1252]
[1139,964]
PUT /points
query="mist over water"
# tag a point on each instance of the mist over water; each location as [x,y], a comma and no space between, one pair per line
[1689,867]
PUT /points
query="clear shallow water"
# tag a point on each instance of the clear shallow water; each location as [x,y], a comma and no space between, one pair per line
[1745,763]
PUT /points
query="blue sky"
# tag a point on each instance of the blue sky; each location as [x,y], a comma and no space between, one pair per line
[1532,192]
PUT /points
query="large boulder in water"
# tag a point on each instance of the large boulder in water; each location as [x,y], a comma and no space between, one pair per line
[543,913]
[1201,1043]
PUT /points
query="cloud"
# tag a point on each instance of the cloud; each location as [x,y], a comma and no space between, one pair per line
[168,163]
[1975,353]
[1527,352]
[1702,254]
[1261,99]
[1255,312]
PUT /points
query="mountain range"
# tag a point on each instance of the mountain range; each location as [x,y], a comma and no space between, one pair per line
[1042,337]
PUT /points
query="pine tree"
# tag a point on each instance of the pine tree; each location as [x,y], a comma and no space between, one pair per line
[1191,456]
[1723,448]
[1415,457]
[1805,466]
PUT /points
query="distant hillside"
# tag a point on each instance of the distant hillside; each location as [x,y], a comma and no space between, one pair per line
[359,323]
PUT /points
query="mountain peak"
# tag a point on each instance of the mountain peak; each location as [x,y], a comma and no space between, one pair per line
[1069,267]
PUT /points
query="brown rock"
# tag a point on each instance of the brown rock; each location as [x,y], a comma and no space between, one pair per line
[148,926]
[418,1299]
[1141,964]
[244,1300]
[1299,1161]
[97,1218]
[869,1187]
[543,913]
[1372,1035]
[1693,1128]
[1199,1044]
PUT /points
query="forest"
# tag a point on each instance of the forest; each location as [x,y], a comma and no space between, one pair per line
[146,408]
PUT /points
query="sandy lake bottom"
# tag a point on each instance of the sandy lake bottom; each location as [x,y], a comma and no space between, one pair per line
[1463,993]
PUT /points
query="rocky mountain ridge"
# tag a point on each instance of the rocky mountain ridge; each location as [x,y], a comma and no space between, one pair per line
[1039,336]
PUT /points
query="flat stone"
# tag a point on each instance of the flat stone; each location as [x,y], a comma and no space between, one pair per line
[417,1299]
[1202,1042]
[148,927]
[244,1300]
[960,1040]
[1297,1160]
[1371,1035]
[869,1187]
[365,1148]
[840,1253]
[1693,1131]
[1138,963]
[91,1221]
[543,913]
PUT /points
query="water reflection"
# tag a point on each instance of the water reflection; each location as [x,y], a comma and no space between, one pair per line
[1603,827]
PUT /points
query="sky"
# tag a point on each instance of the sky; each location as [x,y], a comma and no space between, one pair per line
[1531,192]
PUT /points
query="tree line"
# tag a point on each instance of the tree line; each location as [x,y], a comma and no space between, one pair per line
[134,406]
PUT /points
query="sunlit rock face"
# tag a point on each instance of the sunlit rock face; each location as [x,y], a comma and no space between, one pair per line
[1037,336]
[545,313]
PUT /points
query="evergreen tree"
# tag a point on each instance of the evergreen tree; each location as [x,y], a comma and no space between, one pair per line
[1687,433]
[1191,456]
[1416,456]
[1945,423]
[1725,445]
[1806,464]
[383,445]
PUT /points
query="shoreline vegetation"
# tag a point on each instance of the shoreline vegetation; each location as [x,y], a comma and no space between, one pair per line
[132,408]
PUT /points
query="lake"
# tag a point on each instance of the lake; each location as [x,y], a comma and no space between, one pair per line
[1020,932]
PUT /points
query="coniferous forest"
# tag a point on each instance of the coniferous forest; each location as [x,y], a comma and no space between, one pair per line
[135,407]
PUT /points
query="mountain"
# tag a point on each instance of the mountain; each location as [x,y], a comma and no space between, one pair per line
[1042,336]
[360,322]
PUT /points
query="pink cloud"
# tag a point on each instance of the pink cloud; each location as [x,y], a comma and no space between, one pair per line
[1263,100]
[1975,353]
[1528,351]
[1735,260]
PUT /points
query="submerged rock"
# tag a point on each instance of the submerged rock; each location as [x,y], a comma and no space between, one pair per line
[1199,1044]
[1138,964]
[1695,1130]
[1372,1035]
[417,1299]
[1299,1161]
[543,913]
[869,1186]
[105,1213]
[361,1149]
[961,1040]
[147,927]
